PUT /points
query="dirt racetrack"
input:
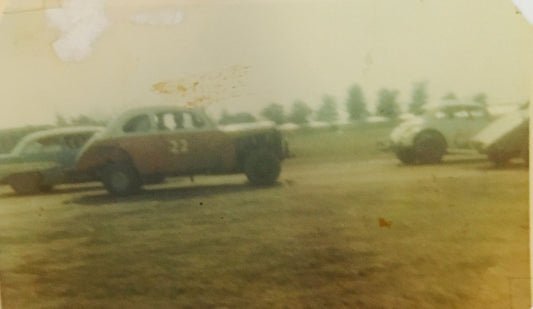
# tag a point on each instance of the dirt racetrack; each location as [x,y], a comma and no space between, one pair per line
[340,233]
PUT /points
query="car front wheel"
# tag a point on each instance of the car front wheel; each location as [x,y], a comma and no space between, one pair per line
[262,167]
[524,154]
[499,158]
[406,155]
[121,179]
[28,183]
[429,148]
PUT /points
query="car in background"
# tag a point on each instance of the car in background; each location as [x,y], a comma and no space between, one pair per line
[506,138]
[450,126]
[145,145]
[44,158]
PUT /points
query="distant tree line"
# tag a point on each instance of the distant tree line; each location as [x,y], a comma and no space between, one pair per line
[356,106]
[301,113]
[80,120]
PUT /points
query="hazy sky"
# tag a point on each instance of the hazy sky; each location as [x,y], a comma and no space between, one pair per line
[99,57]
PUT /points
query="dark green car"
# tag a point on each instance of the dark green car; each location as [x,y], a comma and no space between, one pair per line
[45,158]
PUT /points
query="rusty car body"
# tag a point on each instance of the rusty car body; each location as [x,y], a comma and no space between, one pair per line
[146,145]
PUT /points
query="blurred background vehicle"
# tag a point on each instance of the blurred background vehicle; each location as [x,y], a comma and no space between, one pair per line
[44,158]
[506,137]
[448,127]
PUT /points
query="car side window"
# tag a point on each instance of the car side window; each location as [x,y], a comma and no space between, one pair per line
[190,121]
[461,113]
[138,124]
[478,113]
[43,146]
[177,121]
[76,141]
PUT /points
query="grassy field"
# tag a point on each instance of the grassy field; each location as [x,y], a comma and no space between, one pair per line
[357,141]
[346,227]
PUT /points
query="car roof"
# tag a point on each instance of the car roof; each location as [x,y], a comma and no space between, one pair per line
[59,131]
[115,124]
[458,103]
[445,104]
[52,132]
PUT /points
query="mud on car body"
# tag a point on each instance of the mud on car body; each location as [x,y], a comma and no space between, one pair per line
[506,138]
[145,145]
[45,158]
[450,126]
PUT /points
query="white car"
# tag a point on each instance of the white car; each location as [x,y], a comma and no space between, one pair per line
[450,126]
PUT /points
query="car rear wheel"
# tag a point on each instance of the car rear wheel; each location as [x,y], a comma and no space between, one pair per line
[429,147]
[121,179]
[524,154]
[499,158]
[262,167]
[406,155]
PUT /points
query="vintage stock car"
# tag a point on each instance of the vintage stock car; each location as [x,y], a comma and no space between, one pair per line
[450,126]
[145,145]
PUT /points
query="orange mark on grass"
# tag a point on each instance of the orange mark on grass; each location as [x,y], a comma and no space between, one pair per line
[384,223]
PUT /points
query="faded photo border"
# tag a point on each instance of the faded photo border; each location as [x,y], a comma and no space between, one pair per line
[67,49]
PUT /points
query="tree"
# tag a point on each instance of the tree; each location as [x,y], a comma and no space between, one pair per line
[83,120]
[242,117]
[449,96]
[480,98]
[80,120]
[300,112]
[327,112]
[356,104]
[418,98]
[61,121]
[274,112]
[387,105]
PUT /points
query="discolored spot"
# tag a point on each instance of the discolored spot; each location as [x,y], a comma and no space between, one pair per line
[384,223]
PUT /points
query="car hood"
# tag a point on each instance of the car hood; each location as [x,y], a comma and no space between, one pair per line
[408,126]
[500,127]
[248,128]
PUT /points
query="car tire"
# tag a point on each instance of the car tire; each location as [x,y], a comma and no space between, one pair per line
[121,179]
[524,154]
[498,158]
[429,147]
[154,179]
[45,188]
[406,155]
[262,167]
[27,183]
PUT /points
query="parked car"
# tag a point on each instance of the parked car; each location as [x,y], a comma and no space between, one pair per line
[506,138]
[43,159]
[148,144]
[450,126]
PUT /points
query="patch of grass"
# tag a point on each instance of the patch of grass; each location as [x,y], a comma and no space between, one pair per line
[359,141]
[313,241]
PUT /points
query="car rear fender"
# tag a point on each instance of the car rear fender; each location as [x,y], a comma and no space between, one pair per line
[97,157]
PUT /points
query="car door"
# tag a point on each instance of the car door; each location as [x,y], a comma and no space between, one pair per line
[460,123]
[194,144]
[139,138]
[470,120]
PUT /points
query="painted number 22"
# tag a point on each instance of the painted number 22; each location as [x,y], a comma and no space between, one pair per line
[179,146]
